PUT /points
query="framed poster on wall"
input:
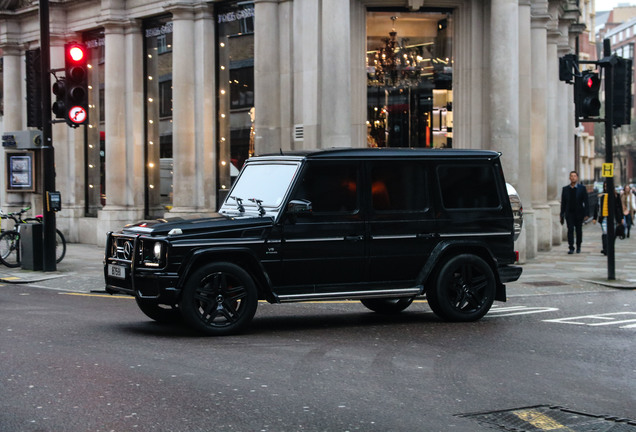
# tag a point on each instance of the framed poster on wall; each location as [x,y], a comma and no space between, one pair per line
[20,169]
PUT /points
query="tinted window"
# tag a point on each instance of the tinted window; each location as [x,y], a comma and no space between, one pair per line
[398,186]
[468,187]
[330,186]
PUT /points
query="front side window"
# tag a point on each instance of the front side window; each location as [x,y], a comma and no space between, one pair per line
[468,187]
[331,187]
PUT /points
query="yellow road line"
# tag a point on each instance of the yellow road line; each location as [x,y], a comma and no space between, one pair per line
[97,295]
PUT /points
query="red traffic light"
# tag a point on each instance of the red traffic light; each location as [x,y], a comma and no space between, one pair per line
[76,53]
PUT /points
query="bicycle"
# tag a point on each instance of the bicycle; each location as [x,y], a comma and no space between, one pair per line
[10,239]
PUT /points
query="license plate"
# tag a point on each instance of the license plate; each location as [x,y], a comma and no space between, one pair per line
[117,271]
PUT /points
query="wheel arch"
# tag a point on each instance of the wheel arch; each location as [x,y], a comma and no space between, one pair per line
[445,250]
[242,257]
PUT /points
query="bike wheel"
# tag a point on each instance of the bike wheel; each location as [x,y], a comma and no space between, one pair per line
[10,249]
[60,246]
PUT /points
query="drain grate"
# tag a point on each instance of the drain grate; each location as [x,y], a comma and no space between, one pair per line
[545,283]
[551,418]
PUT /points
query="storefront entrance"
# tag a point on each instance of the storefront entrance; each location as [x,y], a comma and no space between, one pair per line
[409,79]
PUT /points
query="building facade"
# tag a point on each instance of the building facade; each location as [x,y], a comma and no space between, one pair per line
[182,92]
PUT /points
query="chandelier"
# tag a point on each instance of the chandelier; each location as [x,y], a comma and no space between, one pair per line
[396,63]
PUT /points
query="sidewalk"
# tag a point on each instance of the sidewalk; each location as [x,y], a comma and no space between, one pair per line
[550,272]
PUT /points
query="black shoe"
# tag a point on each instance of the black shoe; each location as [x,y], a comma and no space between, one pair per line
[571,251]
[578,250]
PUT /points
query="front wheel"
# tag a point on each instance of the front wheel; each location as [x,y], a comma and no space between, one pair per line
[219,299]
[10,249]
[464,289]
[388,305]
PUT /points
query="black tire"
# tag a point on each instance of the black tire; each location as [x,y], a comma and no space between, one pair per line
[388,305]
[60,246]
[161,313]
[464,289]
[10,249]
[219,299]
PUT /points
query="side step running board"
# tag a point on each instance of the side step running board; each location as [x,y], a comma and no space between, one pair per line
[351,295]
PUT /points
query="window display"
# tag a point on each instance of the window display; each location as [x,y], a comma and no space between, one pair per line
[409,64]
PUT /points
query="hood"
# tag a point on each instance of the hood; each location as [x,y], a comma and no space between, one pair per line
[193,225]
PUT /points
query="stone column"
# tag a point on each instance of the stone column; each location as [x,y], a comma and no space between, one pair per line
[205,109]
[183,114]
[552,154]
[527,242]
[115,213]
[335,93]
[267,77]
[13,109]
[504,86]
[538,121]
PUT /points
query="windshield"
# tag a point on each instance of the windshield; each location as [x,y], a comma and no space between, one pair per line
[267,183]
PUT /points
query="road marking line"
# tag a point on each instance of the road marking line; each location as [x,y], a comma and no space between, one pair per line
[540,420]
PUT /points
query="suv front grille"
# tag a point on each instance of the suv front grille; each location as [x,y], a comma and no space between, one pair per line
[122,248]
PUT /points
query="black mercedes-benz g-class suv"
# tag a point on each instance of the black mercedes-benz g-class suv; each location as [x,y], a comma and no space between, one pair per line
[380,225]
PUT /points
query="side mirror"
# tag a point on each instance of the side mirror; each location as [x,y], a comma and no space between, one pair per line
[299,207]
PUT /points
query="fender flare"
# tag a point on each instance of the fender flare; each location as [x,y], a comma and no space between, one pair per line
[243,257]
[447,248]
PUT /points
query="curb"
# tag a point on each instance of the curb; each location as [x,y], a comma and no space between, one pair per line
[616,284]
[21,280]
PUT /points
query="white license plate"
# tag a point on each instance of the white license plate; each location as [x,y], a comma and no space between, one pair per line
[117,271]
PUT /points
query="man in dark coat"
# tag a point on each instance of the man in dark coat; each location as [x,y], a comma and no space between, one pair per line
[574,209]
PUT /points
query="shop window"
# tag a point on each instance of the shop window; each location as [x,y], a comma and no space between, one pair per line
[95,193]
[158,109]
[235,92]
[409,61]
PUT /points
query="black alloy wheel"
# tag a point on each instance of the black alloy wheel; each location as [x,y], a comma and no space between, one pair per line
[219,299]
[388,305]
[464,289]
[167,314]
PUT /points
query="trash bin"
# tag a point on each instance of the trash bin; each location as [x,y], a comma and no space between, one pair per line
[31,246]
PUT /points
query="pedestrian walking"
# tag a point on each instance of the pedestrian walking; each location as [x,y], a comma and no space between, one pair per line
[629,207]
[574,210]
[601,213]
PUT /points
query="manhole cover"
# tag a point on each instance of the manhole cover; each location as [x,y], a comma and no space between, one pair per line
[551,418]
[545,283]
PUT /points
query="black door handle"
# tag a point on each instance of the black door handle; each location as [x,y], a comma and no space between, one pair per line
[354,238]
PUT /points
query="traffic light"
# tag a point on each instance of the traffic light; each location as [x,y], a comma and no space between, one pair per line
[586,95]
[59,106]
[75,84]
[622,96]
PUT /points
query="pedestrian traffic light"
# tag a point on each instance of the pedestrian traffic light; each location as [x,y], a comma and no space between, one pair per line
[587,88]
[75,86]
[622,96]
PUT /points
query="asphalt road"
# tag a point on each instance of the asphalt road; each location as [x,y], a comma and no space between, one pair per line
[85,362]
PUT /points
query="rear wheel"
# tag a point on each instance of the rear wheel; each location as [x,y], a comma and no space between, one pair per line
[161,313]
[219,299]
[464,289]
[60,246]
[10,249]
[388,305]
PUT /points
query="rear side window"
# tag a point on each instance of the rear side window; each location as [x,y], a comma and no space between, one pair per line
[468,186]
[331,186]
[399,186]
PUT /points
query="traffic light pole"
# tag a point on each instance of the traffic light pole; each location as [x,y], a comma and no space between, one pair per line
[609,136]
[47,151]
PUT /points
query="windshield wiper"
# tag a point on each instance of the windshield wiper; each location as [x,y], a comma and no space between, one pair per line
[239,203]
[259,204]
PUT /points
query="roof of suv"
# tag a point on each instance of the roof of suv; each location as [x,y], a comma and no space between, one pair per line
[336,153]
